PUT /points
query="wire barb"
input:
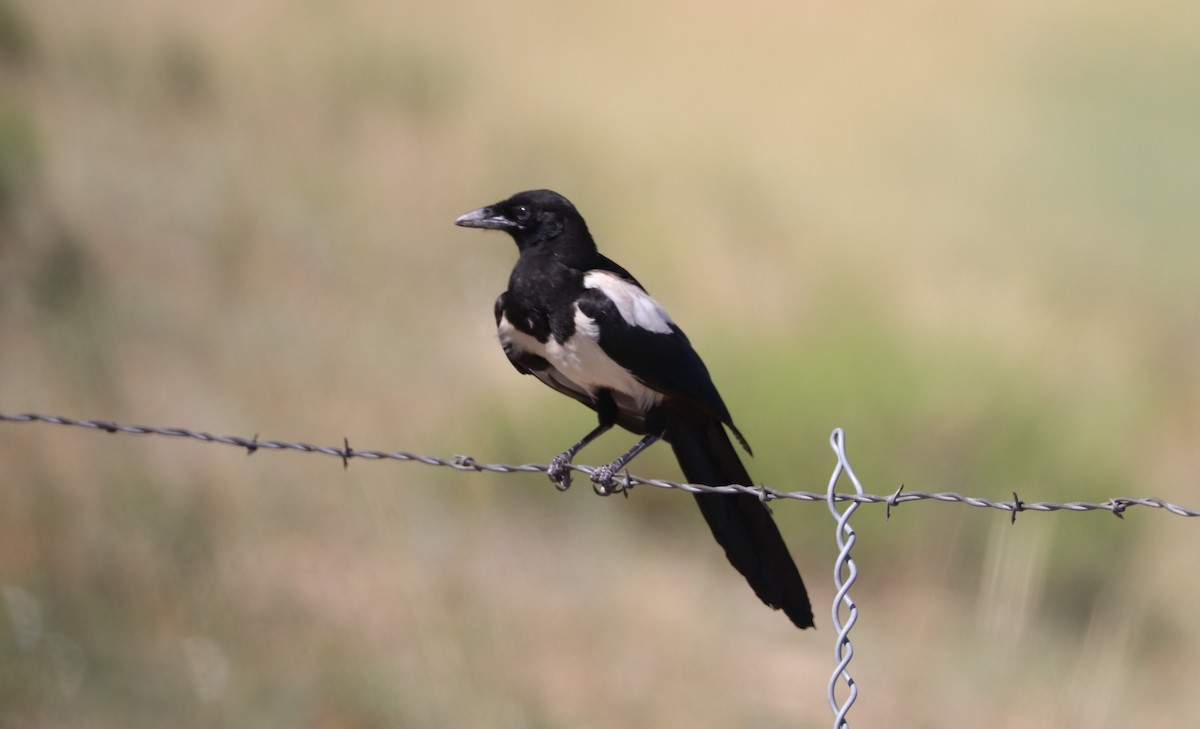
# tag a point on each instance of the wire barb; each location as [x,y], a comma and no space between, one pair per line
[892,501]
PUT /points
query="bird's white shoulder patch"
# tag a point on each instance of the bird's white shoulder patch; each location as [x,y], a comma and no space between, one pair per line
[637,308]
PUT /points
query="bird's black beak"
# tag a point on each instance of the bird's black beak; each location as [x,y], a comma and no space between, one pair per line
[484,218]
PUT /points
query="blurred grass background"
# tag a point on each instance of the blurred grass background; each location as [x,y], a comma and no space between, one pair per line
[965,233]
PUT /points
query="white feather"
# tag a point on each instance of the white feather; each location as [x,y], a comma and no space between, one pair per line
[637,308]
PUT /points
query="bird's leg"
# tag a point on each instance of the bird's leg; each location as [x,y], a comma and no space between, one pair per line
[602,477]
[558,471]
[606,410]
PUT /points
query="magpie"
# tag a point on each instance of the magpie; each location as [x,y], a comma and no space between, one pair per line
[583,325]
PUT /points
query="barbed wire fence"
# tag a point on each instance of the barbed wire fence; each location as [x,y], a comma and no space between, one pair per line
[845,569]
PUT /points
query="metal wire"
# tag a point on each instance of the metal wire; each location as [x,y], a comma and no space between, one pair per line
[845,570]
[1116,505]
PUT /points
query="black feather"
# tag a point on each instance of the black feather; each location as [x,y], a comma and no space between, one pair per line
[740,523]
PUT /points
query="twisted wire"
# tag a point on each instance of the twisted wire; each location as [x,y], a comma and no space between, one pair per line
[845,572]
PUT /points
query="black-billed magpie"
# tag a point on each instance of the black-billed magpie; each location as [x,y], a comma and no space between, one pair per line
[584,326]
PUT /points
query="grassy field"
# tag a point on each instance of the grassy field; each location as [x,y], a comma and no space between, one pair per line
[966,234]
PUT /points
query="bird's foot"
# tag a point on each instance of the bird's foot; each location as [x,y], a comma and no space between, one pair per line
[602,481]
[560,472]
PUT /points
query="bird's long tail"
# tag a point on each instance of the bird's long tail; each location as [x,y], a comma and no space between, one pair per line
[740,522]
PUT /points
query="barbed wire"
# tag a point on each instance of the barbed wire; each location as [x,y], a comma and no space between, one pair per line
[845,569]
[1116,505]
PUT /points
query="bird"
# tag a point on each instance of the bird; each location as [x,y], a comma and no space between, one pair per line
[584,326]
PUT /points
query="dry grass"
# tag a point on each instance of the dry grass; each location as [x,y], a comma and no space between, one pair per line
[966,234]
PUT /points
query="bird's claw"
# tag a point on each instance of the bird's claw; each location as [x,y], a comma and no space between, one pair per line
[602,480]
[559,473]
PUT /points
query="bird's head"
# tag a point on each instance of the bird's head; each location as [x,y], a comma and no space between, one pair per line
[534,218]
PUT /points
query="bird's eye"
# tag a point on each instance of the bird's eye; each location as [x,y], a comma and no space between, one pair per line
[522,213]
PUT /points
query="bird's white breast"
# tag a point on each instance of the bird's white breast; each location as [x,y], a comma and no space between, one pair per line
[581,360]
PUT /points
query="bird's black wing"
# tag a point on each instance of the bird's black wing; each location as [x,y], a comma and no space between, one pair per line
[652,347]
[636,334]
